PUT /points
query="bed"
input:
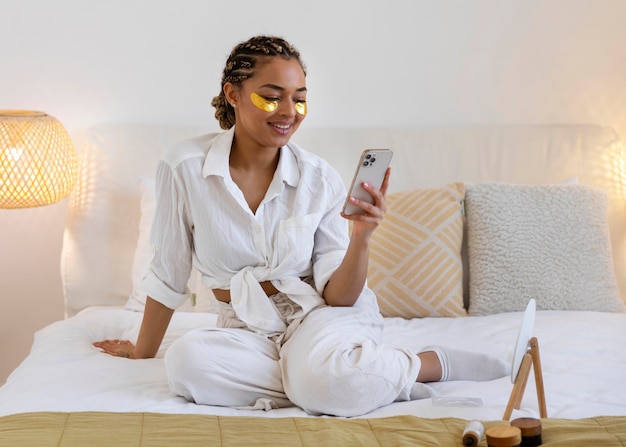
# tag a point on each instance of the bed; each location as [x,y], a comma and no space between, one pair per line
[503,214]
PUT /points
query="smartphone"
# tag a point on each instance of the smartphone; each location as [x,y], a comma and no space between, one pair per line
[371,169]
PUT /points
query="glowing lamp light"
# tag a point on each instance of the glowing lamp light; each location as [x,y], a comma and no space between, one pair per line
[37,159]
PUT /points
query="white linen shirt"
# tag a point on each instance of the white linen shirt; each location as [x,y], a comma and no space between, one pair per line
[202,218]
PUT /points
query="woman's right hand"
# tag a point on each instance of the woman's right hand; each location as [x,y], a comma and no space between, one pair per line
[117,348]
[156,318]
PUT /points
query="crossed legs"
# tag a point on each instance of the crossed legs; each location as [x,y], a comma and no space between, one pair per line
[334,363]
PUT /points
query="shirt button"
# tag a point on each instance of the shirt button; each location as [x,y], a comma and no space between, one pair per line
[236,300]
[257,229]
[261,324]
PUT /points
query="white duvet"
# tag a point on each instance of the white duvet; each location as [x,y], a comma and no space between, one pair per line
[583,355]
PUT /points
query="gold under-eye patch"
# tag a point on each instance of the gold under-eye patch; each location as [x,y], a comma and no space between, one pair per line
[300,107]
[264,104]
[269,106]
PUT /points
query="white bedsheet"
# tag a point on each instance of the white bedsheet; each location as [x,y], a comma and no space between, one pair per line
[583,356]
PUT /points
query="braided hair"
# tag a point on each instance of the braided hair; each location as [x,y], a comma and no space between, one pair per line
[241,65]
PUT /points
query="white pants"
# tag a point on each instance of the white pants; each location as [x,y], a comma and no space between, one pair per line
[333,362]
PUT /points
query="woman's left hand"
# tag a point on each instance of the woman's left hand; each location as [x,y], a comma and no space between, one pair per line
[363,225]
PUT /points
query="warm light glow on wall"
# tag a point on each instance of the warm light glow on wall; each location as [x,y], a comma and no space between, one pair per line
[37,159]
[616,170]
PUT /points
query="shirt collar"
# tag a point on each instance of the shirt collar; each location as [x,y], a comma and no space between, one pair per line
[216,161]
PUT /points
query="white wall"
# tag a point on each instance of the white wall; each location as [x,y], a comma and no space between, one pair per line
[397,63]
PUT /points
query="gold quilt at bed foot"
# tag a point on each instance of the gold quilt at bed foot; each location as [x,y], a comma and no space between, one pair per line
[95,429]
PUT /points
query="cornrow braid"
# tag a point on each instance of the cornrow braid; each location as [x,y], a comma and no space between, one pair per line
[241,65]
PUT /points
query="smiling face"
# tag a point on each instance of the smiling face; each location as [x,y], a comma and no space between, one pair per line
[271,105]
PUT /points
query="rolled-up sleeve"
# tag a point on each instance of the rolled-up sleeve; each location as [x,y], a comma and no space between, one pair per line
[331,237]
[171,239]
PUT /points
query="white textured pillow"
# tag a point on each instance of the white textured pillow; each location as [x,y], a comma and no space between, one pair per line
[548,242]
[143,252]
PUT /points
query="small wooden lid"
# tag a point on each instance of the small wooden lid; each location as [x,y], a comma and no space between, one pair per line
[503,436]
[528,426]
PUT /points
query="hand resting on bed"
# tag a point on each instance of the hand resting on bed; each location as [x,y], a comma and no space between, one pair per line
[154,324]
[118,348]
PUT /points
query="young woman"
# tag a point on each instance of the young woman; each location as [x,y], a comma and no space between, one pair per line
[261,219]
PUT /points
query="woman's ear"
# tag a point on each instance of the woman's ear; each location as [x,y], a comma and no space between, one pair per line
[231,94]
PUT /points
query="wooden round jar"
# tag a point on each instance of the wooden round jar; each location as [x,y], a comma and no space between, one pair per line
[531,431]
[504,436]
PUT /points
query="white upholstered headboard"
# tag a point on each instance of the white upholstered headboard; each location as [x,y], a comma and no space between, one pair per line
[102,226]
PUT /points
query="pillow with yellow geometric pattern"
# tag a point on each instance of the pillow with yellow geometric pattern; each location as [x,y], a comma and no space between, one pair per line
[415,267]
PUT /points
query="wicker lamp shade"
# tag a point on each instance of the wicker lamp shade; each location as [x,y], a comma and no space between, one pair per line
[37,159]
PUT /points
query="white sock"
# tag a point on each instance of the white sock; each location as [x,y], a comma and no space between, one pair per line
[466,365]
[422,391]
